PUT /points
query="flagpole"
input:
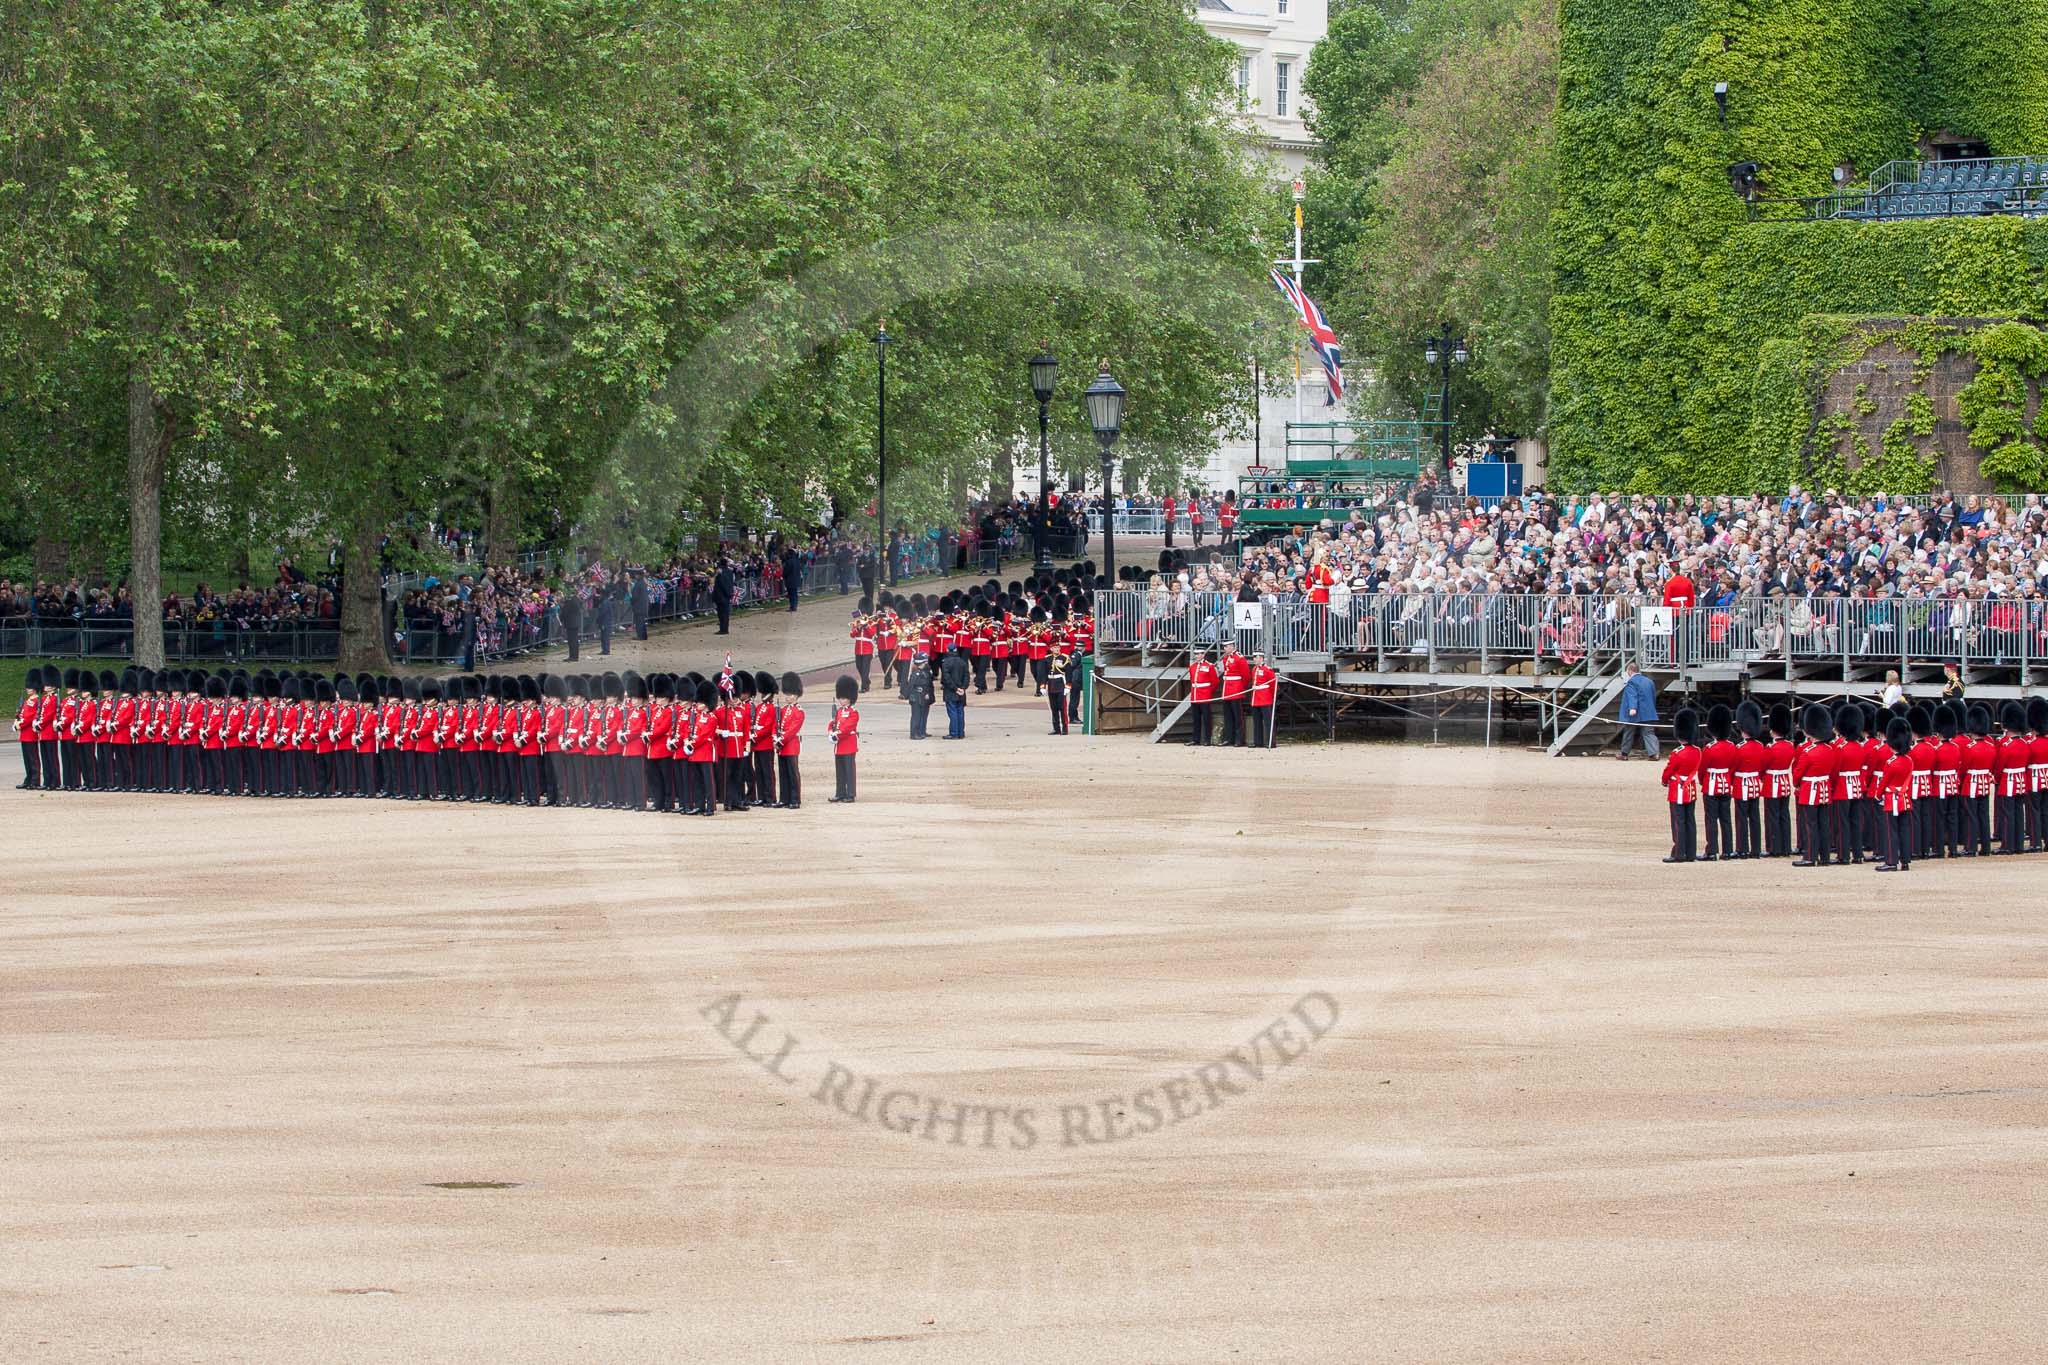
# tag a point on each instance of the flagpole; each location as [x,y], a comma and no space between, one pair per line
[1298,263]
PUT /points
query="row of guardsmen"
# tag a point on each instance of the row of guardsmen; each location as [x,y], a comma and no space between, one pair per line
[1945,780]
[611,741]
[1000,632]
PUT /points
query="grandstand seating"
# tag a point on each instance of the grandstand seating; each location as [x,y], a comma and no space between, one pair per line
[1941,189]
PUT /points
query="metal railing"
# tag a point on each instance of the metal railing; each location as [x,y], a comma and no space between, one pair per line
[1438,631]
[1898,190]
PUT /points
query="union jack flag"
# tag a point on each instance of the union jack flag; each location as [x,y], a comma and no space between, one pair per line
[1320,336]
[725,674]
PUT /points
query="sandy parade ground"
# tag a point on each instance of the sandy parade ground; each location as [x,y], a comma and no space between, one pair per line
[1047,1050]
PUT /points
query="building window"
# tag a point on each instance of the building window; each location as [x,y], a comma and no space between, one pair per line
[1244,75]
[1280,74]
[1279,6]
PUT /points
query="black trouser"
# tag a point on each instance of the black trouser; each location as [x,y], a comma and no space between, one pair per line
[1041,669]
[724,606]
[654,777]
[68,775]
[1233,721]
[861,664]
[530,778]
[842,772]
[1200,710]
[1720,827]
[1749,839]
[1977,825]
[888,658]
[1056,698]
[735,782]
[31,763]
[920,718]
[1074,699]
[1684,831]
[1848,830]
[2040,809]
[1926,815]
[704,787]
[764,776]
[792,781]
[2012,824]
[1002,671]
[1902,831]
[1777,826]
[53,772]
[980,665]
[1814,823]
[1262,727]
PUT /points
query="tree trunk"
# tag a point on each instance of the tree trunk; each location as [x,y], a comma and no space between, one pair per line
[1002,473]
[149,445]
[52,557]
[365,632]
[501,521]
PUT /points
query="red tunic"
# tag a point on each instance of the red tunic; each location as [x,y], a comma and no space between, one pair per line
[1813,772]
[1717,769]
[792,730]
[846,731]
[1681,776]
[1202,683]
[1751,757]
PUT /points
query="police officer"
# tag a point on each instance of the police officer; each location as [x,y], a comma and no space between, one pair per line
[918,691]
[1056,689]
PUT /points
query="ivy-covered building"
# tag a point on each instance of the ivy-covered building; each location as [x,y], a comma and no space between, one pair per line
[1711,332]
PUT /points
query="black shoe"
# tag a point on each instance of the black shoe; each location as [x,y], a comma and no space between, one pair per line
[1709,858]
[1805,862]
[1674,858]
[1886,867]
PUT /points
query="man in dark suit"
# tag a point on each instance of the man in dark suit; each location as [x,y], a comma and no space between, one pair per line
[571,613]
[792,573]
[639,603]
[721,596]
[607,612]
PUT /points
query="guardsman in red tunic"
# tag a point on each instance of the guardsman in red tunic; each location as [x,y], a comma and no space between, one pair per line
[633,743]
[1926,754]
[1895,797]
[1265,697]
[120,735]
[1751,758]
[1980,779]
[887,628]
[1203,680]
[863,633]
[1948,782]
[71,777]
[1168,506]
[660,760]
[732,742]
[46,727]
[981,647]
[844,731]
[1681,778]
[1717,782]
[90,705]
[1846,796]
[1237,681]
[1813,781]
[999,644]
[2015,754]
[762,733]
[528,724]
[234,733]
[2037,771]
[703,755]
[25,730]
[789,743]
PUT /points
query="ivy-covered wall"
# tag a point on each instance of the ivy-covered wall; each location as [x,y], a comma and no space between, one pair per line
[1675,316]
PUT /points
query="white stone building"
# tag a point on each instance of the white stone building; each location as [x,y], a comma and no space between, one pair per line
[1273,39]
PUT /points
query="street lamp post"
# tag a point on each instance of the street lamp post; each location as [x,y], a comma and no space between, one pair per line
[1105,399]
[1044,367]
[888,561]
[1442,351]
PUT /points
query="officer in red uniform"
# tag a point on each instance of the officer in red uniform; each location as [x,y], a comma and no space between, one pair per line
[26,732]
[844,730]
[1895,797]
[1717,782]
[704,745]
[1751,757]
[865,636]
[1681,779]
[1203,681]
[1813,780]
[1226,517]
[1948,782]
[1169,507]
[789,743]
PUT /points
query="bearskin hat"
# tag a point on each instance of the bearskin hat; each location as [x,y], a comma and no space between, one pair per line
[2012,718]
[1978,720]
[764,684]
[1720,721]
[847,688]
[1898,732]
[289,688]
[1749,718]
[1686,726]
[108,682]
[792,685]
[1849,722]
[2037,715]
[1815,720]
[635,685]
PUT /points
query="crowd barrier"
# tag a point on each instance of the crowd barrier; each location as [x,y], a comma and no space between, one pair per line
[1748,633]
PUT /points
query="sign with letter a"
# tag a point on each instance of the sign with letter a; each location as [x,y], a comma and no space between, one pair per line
[1250,615]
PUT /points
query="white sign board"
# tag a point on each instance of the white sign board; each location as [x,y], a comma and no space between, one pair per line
[1656,620]
[1250,615]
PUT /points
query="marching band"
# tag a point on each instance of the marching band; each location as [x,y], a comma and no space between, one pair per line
[610,741]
